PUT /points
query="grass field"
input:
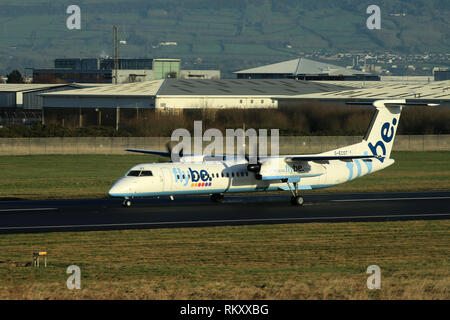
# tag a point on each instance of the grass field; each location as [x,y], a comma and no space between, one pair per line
[90,176]
[295,261]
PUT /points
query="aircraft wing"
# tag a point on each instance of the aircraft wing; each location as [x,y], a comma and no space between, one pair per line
[180,155]
[156,152]
[325,157]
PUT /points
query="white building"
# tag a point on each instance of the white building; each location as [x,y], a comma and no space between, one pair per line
[187,94]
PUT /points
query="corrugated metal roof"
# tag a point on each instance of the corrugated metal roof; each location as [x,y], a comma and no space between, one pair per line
[301,66]
[244,87]
[439,90]
[147,88]
[279,88]
[196,87]
[19,87]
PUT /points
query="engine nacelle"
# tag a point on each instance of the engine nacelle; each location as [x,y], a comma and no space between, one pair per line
[254,167]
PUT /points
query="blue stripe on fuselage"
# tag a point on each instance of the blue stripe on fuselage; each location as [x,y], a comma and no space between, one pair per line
[358,168]
[350,170]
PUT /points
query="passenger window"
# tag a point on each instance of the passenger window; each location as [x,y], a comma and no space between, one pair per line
[232,174]
[228,175]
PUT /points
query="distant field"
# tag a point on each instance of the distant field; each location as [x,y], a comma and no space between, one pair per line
[90,176]
[295,261]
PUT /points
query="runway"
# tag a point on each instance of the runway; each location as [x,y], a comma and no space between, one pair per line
[199,211]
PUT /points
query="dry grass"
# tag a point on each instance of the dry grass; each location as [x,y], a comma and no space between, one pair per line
[307,118]
[295,261]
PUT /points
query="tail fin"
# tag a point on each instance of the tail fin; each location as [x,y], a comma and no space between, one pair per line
[381,133]
[380,136]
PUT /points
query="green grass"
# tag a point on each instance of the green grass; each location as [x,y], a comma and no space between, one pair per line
[63,176]
[90,176]
[296,261]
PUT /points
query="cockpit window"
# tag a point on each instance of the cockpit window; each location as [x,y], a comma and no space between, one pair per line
[139,173]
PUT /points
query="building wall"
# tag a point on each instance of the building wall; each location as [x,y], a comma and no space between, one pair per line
[442,75]
[7,99]
[166,68]
[32,100]
[70,76]
[129,76]
[100,102]
[200,102]
[200,74]
[407,78]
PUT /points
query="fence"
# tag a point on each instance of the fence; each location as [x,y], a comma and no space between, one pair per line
[117,145]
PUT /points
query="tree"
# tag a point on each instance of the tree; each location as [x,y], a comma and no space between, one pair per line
[15,77]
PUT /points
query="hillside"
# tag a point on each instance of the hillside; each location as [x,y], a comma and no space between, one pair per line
[230,35]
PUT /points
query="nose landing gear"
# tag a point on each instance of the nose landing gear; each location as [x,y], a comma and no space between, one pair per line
[217,198]
[126,203]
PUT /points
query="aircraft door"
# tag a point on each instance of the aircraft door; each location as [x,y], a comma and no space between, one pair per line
[166,179]
[323,177]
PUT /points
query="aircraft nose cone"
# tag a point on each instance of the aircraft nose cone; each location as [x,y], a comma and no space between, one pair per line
[119,189]
[113,191]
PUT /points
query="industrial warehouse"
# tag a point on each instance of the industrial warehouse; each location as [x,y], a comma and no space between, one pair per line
[80,92]
[68,102]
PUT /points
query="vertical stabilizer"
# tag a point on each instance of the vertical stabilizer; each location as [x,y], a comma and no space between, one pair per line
[381,133]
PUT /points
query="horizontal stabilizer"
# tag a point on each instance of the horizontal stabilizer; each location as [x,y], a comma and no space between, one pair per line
[404,103]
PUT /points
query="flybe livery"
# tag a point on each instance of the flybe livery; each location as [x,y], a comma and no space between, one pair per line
[215,176]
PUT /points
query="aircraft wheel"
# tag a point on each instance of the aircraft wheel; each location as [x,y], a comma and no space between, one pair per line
[217,198]
[297,201]
[126,203]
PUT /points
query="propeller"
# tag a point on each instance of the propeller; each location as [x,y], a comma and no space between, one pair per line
[254,167]
[169,149]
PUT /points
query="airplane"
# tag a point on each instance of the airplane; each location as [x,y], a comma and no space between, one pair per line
[219,175]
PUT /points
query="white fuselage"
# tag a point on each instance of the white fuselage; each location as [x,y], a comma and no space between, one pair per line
[216,177]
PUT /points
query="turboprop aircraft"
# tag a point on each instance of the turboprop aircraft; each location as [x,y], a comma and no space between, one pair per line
[219,175]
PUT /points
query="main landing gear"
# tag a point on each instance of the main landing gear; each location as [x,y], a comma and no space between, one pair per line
[126,203]
[217,198]
[296,199]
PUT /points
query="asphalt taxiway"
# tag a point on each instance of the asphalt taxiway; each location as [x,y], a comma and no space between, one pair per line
[108,214]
